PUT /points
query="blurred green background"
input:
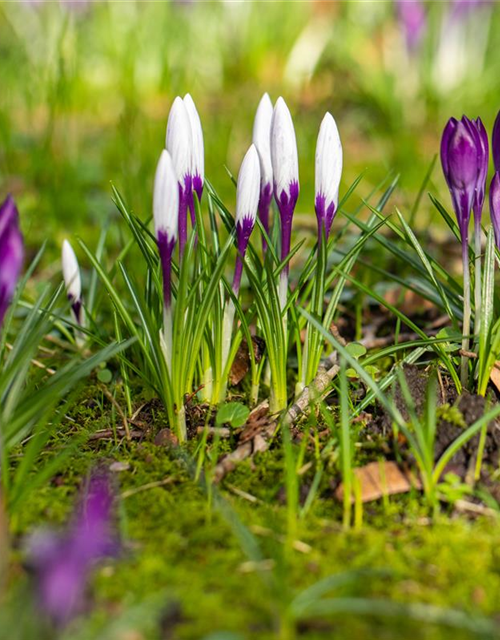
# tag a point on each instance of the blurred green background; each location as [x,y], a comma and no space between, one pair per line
[86,90]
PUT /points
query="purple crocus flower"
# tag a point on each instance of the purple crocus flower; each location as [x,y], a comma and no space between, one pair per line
[495,207]
[461,155]
[11,253]
[61,561]
[286,180]
[483,153]
[413,19]
[262,140]
[72,280]
[197,150]
[247,200]
[328,174]
[495,143]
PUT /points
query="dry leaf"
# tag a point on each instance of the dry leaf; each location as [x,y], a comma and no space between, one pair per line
[377,479]
[495,376]
[241,363]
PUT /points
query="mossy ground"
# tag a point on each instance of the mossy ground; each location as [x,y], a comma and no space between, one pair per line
[187,569]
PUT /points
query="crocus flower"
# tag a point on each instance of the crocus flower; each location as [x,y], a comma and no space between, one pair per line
[495,143]
[11,253]
[247,201]
[262,141]
[179,144]
[460,156]
[197,150]
[413,19]
[483,152]
[72,280]
[61,561]
[495,206]
[286,179]
[328,174]
[165,213]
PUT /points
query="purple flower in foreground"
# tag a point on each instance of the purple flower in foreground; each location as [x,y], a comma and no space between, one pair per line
[461,155]
[328,174]
[413,19]
[247,200]
[495,206]
[495,143]
[61,562]
[262,140]
[11,253]
[72,280]
[285,173]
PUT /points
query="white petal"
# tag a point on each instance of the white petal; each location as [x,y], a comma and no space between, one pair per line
[197,156]
[283,148]
[166,197]
[248,189]
[262,138]
[328,161]
[179,139]
[71,272]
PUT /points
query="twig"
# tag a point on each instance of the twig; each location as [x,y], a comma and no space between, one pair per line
[222,432]
[109,433]
[146,487]
[36,363]
[114,402]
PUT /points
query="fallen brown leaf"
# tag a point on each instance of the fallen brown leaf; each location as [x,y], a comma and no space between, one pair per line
[377,479]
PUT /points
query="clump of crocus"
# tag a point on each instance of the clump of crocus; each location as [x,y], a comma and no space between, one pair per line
[184,142]
[165,213]
[328,174]
[413,20]
[11,253]
[262,141]
[286,181]
[61,561]
[72,280]
[464,158]
[247,201]
[495,143]
[495,207]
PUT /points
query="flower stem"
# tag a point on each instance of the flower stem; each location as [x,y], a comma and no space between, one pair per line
[466,319]
[477,277]
[227,332]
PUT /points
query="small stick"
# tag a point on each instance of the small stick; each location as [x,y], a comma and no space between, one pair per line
[36,363]
[146,487]
[109,433]
[114,402]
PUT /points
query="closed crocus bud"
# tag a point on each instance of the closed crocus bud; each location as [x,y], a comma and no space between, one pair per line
[460,160]
[328,174]
[495,206]
[165,213]
[197,151]
[262,141]
[11,253]
[179,144]
[247,201]
[285,172]
[495,143]
[72,280]
[483,152]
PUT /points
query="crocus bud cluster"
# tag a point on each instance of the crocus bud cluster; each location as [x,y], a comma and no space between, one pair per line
[61,562]
[72,280]
[184,142]
[11,253]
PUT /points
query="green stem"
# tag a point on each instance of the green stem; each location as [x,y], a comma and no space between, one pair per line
[466,321]
[477,277]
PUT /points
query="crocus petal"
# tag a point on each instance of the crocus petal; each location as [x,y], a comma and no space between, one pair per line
[483,161]
[166,197]
[71,272]
[495,206]
[495,143]
[197,151]
[328,172]
[11,253]
[284,156]
[179,140]
[262,138]
[247,200]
